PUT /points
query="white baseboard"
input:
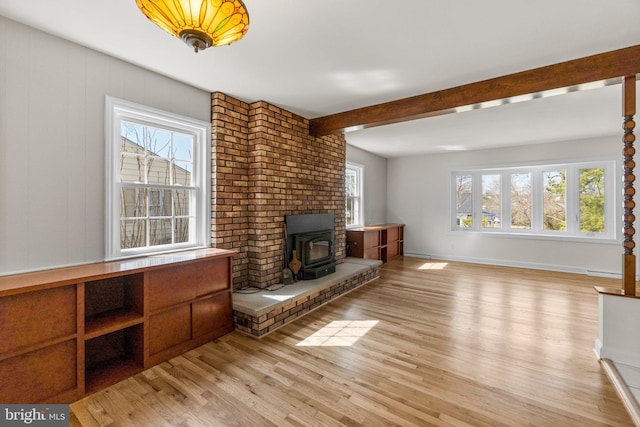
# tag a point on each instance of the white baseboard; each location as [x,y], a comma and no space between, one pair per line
[619,356]
[597,349]
[503,263]
[624,392]
[518,264]
[415,255]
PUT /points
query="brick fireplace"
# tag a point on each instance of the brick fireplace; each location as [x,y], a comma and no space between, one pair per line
[265,165]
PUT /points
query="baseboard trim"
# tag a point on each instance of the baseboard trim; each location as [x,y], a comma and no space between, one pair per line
[517,264]
[623,391]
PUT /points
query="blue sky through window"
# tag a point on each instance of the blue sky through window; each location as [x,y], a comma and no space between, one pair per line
[163,143]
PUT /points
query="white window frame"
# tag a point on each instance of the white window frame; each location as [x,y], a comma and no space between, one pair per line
[359,169]
[117,111]
[611,209]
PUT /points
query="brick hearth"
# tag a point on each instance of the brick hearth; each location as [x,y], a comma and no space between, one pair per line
[263,312]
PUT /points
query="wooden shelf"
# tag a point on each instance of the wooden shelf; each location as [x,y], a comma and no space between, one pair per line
[112,304]
[382,242]
[111,321]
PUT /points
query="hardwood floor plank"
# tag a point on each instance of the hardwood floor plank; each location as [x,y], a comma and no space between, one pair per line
[429,343]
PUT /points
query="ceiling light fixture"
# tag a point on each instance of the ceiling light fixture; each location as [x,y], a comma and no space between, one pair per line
[199,23]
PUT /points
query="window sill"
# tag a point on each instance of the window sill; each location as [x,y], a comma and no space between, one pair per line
[535,236]
[139,254]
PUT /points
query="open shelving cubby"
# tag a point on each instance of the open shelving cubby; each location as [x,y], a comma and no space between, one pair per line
[113,356]
[113,303]
[114,333]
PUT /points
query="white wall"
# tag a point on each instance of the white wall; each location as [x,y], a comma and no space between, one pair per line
[52,143]
[619,320]
[418,195]
[375,183]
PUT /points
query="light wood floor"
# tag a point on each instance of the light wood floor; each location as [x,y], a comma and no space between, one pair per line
[429,343]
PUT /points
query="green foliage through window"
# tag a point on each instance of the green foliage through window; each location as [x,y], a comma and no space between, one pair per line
[592,200]
[571,199]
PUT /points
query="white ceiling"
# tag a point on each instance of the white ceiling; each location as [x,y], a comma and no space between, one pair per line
[318,57]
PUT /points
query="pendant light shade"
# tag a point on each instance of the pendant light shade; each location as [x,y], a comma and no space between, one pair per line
[199,23]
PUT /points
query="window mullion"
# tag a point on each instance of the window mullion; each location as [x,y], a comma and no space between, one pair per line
[536,200]
[172,183]
[354,209]
[573,200]
[477,201]
[147,221]
[506,200]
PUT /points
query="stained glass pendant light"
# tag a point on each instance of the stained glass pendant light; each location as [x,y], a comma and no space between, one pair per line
[199,23]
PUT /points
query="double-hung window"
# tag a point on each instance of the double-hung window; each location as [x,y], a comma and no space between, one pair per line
[353,195]
[157,191]
[565,200]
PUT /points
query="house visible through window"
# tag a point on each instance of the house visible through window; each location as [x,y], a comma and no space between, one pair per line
[570,200]
[353,195]
[157,198]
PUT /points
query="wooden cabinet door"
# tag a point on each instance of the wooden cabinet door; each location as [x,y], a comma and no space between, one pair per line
[37,317]
[40,375]
[393,234]
[356,243]
[213,276]
[169,328]
[372,253]
[371,239]
[212,316]
[393,249]
[171,285]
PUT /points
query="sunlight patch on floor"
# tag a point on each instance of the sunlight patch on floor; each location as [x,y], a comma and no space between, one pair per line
[433,266]
[339,333]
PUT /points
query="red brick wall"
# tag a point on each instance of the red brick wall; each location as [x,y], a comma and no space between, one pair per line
[265,166]
[230,180]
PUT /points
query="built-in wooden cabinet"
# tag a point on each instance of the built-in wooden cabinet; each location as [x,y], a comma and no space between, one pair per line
[382,242]
[38,345]
[72,331]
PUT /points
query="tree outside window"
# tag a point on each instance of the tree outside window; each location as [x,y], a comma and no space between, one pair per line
[157,167]
[592,200]
[156,186]
[491,201]
[464,201]
[521,200]
[554,200]
[571,199]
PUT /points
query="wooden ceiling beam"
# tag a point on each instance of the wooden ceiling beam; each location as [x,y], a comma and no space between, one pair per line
[601,67]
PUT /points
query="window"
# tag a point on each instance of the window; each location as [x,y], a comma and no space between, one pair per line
[464,201]
[521,200]
[592,200]
[568,200]
[353,195]
[491,202]
[554,200]
[156,177]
